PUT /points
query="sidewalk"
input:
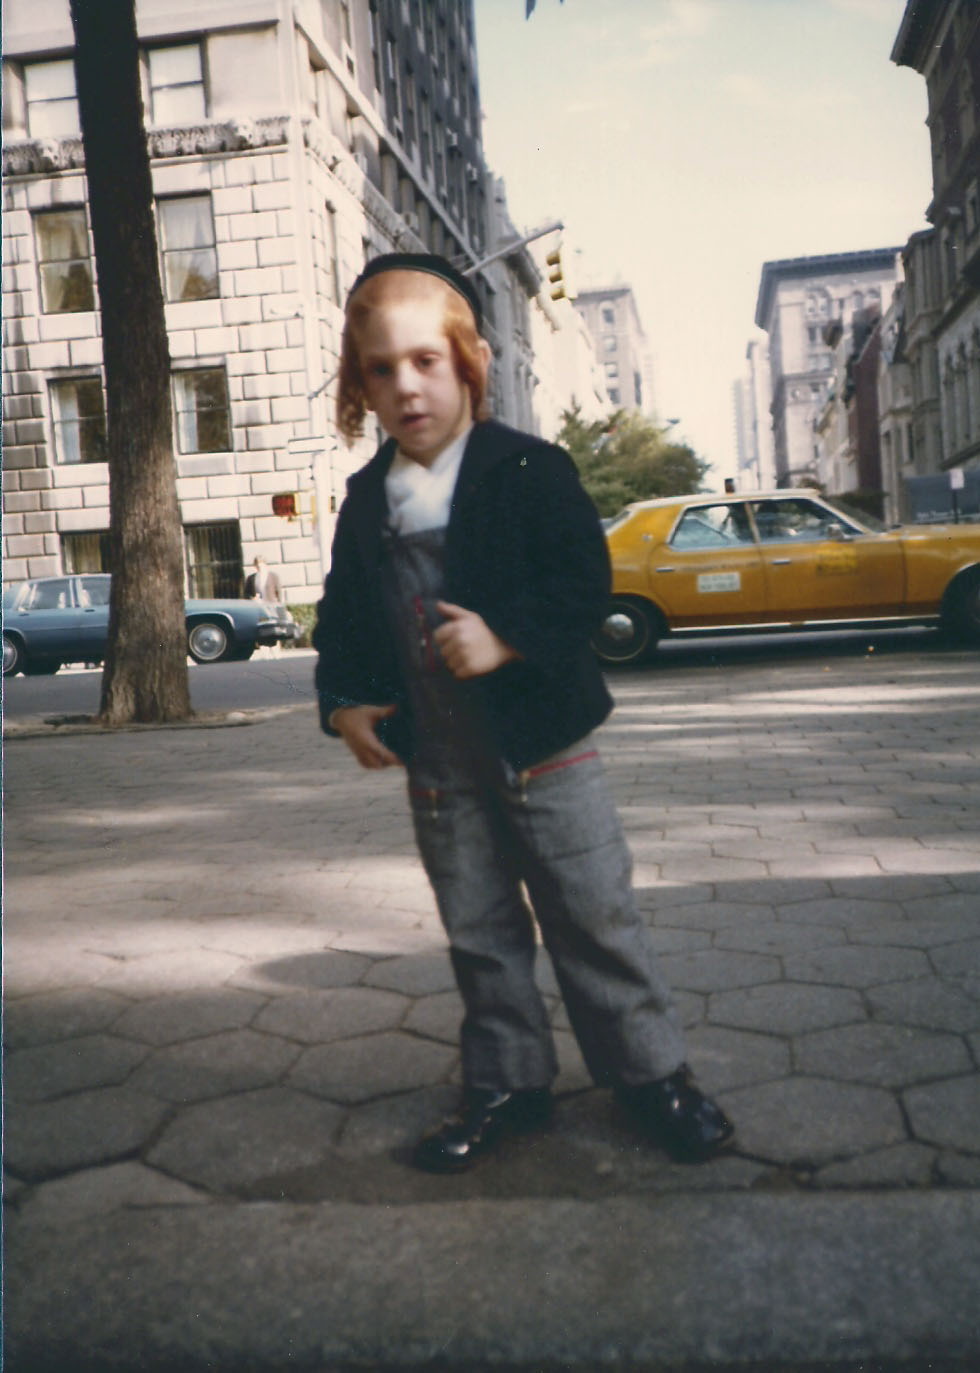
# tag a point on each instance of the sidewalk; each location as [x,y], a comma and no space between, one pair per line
[230,1012]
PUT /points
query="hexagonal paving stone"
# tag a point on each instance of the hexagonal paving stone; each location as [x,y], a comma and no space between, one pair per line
[932,1002]
[716,969]
[958,960]
[372,1066]
[881,1055]
[188,1015]
[158,974]
[776,937]
[786,1008]
[72,1065]
[437,1017]
[79,1131]
[334,968]
[242,1139]
[319,1017]
[903,1165]
[725,1059]
[947,1113]
[839,910]
[917,934]
[802,1120]
[97,1191]
[397,1122]
[231,1062]
[52,1016]
[414,974]
[851,966]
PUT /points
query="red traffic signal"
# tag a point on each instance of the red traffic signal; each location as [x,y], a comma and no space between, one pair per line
[286,504]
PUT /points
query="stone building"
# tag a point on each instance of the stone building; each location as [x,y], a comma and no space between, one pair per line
[289,142]
[798,298]
[752,397]
[613,320]
[940,39]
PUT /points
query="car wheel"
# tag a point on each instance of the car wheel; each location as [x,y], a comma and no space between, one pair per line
[208,642]
[13,656]
[964,610]
[628,632]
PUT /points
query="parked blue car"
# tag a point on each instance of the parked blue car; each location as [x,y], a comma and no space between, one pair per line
[56,620]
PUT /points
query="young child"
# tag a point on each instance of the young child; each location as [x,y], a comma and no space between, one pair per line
[469,571]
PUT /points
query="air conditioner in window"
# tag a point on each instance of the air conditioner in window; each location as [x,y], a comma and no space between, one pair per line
[472,173]
[452,138]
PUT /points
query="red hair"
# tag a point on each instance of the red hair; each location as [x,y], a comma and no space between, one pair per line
[395,287]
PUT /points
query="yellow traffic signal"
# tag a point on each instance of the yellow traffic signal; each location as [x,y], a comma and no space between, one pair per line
[556,274]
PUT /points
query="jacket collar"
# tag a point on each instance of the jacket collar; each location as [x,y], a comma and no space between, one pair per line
[489,443]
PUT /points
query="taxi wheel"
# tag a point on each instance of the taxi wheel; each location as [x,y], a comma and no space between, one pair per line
[965,617]
[628,633]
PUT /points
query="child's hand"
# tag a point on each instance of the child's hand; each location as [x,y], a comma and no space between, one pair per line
[468,645]
[356,726]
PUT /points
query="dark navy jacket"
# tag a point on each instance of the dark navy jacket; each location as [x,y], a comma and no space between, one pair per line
[525,550]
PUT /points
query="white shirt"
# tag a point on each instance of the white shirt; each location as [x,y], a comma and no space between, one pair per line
[419,497]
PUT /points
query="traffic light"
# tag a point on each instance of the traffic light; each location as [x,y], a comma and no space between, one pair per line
[556,274]
[561,286]
[286,504]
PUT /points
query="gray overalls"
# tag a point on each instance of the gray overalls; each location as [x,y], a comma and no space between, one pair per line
[485,835]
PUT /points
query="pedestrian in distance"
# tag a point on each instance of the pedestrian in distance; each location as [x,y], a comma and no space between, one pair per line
[262,584]
[469,571]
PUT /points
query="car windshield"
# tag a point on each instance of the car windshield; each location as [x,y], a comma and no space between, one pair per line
[614,521]
[851,512]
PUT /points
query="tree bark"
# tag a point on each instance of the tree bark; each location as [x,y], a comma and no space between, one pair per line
[145,674]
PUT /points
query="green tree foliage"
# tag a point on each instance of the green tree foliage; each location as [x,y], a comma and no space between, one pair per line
[627,458]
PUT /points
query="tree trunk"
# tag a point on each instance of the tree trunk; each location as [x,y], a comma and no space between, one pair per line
[145,676]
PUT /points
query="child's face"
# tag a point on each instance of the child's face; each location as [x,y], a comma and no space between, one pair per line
[410,378]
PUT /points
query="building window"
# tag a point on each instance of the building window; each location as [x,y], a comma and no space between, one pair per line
[78,418]
[190,261]
[201,408]
[176,85]
[425,131]
[609,343]
[52,108]
[613,394]
[85,552]
[64,266]
[214,560]
[612,371]
[608,314]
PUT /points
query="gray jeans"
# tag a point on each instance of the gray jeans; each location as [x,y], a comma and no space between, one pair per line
[551,834]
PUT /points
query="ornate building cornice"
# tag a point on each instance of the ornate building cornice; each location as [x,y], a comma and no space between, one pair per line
[45,155]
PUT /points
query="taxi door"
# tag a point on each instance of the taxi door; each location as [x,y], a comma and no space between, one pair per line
[709,571]
[818,566]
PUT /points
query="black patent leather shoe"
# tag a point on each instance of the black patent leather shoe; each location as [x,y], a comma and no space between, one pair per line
[479,1124]
[673,1112]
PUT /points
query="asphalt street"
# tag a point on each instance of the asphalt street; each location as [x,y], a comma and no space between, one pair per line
[229,1012]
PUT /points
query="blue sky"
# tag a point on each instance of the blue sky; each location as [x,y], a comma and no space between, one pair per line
[685,142]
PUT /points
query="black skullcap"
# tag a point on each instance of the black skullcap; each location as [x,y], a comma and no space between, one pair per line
[423,262]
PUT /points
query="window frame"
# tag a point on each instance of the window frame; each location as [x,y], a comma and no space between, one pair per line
[38,217]
[152,89]
[181,375]
[167,253]
[60,423]
[74,128]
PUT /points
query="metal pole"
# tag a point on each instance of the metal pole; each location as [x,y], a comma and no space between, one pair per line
[517,243]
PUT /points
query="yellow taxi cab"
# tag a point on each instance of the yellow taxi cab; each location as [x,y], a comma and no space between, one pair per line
[779,560]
